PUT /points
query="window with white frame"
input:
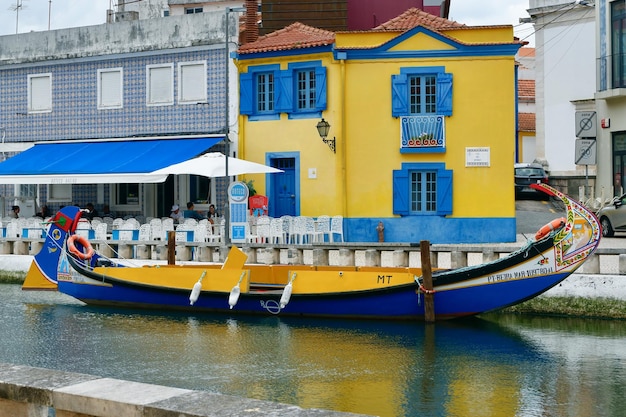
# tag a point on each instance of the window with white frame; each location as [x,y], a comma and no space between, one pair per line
[40,93]
[126,197]
[422,189]
[193,10]
[60,193]
[192,82]
[110,88]
[265,92]
[27,190]
[160,85]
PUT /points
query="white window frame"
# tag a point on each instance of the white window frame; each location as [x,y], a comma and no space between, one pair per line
[34,92]
[109,86]
[167,101]
[196,84]
[60,193]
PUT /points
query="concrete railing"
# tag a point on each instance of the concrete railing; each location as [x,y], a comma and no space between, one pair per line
[30,392]
[609,261]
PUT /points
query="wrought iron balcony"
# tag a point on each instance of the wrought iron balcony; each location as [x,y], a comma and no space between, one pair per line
[425,133]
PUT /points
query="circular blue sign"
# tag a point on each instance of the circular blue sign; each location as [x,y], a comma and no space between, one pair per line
[238,192]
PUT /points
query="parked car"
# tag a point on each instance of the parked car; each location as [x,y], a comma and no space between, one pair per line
[613,217]
[526,174]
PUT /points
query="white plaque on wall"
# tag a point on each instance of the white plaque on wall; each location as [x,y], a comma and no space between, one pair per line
[478,157]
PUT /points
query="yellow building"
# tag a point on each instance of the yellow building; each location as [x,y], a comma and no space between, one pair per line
[422,135]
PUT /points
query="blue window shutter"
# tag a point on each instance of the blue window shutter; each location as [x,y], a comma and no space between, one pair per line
[444,94]
[444,192]
[284,91]
[401,192]
[320,88]
[399,95]
[246,104]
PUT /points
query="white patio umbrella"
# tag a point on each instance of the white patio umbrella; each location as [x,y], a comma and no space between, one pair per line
[213,164]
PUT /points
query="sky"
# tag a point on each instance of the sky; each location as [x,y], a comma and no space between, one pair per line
[36,15]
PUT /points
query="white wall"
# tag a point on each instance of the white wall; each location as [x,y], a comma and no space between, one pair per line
[565,71]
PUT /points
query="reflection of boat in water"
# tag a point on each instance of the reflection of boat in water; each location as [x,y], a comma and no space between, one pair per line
[302,290]
[384,368]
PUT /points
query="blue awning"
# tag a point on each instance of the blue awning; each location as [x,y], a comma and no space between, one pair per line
[101,161]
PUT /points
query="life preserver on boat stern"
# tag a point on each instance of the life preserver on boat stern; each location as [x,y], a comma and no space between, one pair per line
[546,229]
[71,246]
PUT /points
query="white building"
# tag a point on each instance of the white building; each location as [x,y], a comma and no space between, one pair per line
[565,70]
[611,96]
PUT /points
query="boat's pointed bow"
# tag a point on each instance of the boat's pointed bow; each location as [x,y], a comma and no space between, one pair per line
[42,274]
[582,232]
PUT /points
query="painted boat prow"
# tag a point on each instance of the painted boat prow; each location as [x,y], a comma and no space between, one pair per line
[523,274]
[42,274]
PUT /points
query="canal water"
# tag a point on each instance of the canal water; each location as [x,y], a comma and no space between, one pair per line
[500,365]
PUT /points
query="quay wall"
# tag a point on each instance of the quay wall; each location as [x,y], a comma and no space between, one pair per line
[30,392]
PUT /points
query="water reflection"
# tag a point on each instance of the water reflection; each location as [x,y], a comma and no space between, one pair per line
[498,366]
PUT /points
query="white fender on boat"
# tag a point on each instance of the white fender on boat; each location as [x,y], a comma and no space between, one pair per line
[235,292]
[234,296]
[195,291]
[284,299]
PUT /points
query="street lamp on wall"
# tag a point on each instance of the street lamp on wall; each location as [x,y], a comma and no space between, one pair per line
[323,127]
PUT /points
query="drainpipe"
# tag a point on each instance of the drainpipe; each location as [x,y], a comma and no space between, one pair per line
[342,143]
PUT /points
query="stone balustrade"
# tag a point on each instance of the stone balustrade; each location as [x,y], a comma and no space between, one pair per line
[609,261]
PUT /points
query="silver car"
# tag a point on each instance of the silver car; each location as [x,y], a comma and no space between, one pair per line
[613,217]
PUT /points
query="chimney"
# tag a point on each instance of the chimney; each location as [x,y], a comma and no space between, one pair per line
[252,27]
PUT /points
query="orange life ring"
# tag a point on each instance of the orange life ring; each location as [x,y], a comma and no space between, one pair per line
[71,246]
[553,225]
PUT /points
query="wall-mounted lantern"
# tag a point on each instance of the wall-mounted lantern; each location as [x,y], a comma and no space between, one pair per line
[322,128]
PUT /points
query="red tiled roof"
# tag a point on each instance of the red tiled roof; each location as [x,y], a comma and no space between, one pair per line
[526,122]
[526,89]
[523,52]
[416,17]
[294,36]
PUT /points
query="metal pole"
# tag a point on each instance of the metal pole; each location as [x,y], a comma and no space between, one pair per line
[226,131]
[227,120]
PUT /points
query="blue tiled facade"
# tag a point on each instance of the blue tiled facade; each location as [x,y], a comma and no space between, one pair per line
[75,113]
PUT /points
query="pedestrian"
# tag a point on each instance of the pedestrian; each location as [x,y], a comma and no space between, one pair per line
[44,213]
[90,212]
[212,214]
[191,213]
[175,213]
[15,212]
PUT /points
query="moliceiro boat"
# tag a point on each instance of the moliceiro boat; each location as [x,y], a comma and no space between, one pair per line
[68,264]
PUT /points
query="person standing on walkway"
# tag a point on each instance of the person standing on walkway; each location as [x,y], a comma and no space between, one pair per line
[15,212]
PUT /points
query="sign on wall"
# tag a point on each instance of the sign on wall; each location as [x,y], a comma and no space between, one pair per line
[585,152]
[478,157]
[238,209]
[586,122]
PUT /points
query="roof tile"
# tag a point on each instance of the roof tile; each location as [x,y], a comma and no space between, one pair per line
[526,122]
[294,36]
[526,89]
[416,17]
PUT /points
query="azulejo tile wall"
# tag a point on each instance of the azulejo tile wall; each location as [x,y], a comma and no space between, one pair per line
[75,114]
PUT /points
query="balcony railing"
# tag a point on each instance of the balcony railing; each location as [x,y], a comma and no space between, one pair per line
[423,133]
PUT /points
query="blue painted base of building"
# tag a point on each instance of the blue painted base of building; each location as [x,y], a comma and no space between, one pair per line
[437,230]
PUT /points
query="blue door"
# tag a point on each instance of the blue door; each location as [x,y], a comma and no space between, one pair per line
[283,188]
